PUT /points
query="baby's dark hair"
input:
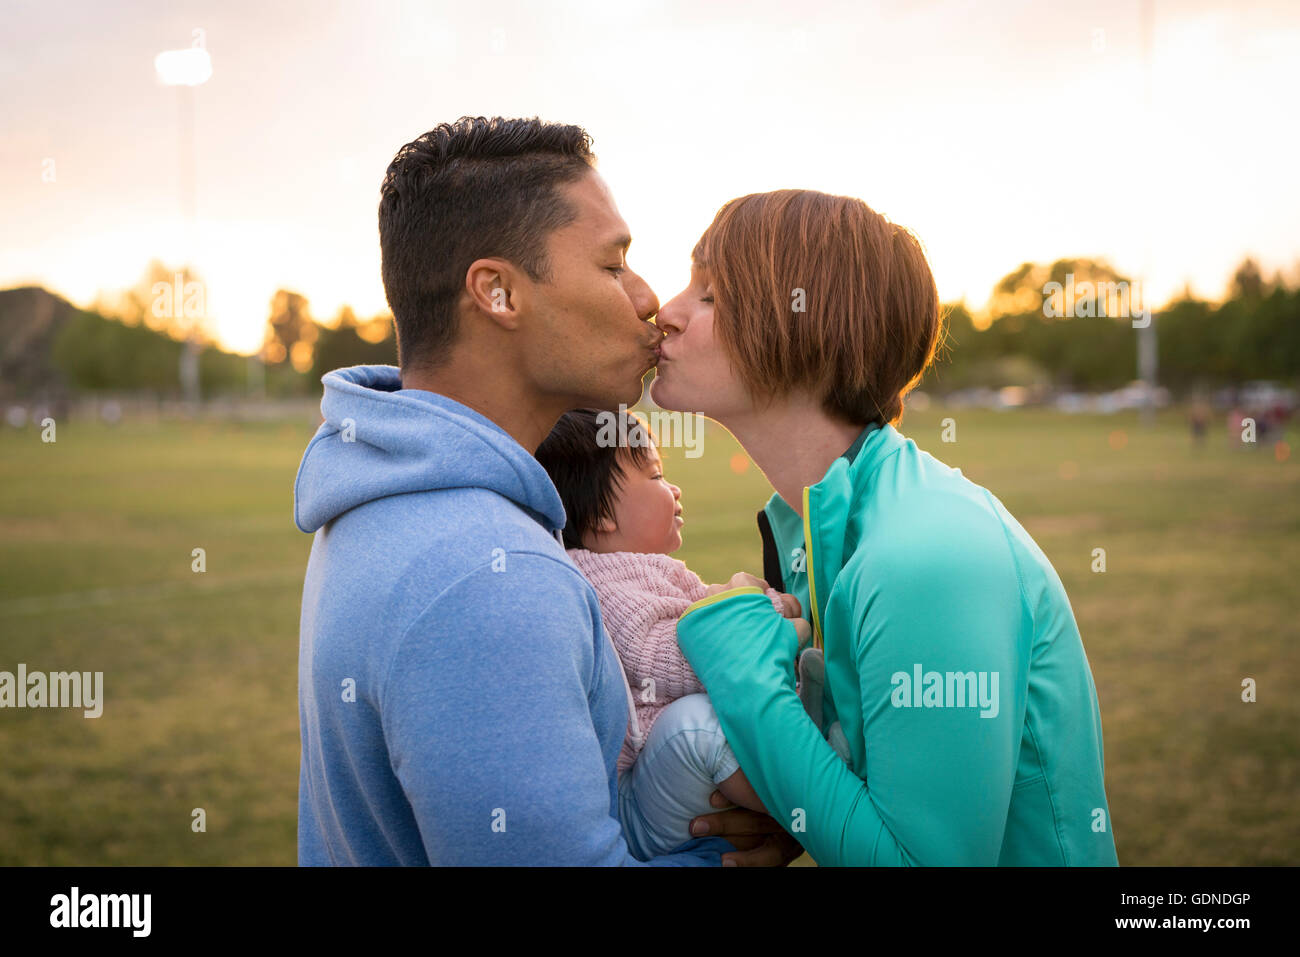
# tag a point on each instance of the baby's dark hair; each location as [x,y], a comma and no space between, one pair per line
[585,455]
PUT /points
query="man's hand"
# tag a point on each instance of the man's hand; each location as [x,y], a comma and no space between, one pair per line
[759,840]
[738,580]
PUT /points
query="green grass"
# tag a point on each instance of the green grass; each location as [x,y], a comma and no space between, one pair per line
[97,530]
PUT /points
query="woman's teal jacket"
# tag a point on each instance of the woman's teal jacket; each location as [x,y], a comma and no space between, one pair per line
[954,668]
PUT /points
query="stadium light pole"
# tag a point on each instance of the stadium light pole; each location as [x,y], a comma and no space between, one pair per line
[186,69]
[1148,352]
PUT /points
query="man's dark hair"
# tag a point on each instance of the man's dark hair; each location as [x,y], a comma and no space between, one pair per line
[464,191]
[588,471]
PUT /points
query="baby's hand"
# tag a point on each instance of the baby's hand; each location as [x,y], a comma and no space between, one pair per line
[792,607]
[738,580]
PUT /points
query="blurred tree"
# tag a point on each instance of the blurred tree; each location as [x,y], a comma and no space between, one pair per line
[1072,318]
[351,342]
[1025,290]
[1191,352]
[1253,335]
[165,299]
[290,332]
[1247,282]
[96,354]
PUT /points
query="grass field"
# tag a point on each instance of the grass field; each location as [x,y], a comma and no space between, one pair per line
[97,532]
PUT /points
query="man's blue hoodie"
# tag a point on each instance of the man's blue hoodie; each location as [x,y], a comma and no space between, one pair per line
[459,700]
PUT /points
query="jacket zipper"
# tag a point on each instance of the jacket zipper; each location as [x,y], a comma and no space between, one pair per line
[812,581]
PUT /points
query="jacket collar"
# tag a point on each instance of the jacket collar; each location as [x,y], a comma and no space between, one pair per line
[833,528]
[874,444]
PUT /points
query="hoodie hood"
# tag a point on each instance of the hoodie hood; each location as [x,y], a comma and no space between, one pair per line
[378,441]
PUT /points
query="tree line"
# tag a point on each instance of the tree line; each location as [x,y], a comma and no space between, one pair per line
[1022,338]
[1055,325]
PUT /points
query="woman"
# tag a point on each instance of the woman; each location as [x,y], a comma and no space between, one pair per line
[955,680]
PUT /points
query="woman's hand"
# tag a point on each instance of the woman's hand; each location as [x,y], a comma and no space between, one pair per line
[803,630]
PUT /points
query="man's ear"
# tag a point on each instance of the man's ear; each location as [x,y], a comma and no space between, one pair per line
[497,288]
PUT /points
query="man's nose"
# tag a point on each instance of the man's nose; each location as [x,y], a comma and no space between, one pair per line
[642,296]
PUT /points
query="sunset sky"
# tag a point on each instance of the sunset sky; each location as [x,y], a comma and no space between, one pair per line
[998,132]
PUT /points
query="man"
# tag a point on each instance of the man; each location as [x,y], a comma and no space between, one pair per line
[460,702]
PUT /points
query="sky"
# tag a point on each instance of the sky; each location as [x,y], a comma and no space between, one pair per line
[998,132]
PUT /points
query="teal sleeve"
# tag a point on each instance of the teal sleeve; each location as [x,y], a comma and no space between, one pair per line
[743,652]
[938,779]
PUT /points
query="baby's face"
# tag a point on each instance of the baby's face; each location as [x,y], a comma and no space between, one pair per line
[647,510]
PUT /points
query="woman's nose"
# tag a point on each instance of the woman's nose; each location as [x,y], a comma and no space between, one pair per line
[668,319]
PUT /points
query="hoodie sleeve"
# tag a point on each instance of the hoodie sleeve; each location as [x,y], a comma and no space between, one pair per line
[487,716]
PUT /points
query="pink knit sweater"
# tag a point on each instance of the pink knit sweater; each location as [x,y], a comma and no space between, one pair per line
[641,597]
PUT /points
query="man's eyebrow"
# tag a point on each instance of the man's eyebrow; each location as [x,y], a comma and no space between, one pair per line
[620,242]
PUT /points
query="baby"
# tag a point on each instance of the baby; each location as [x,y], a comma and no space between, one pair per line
[624,520]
